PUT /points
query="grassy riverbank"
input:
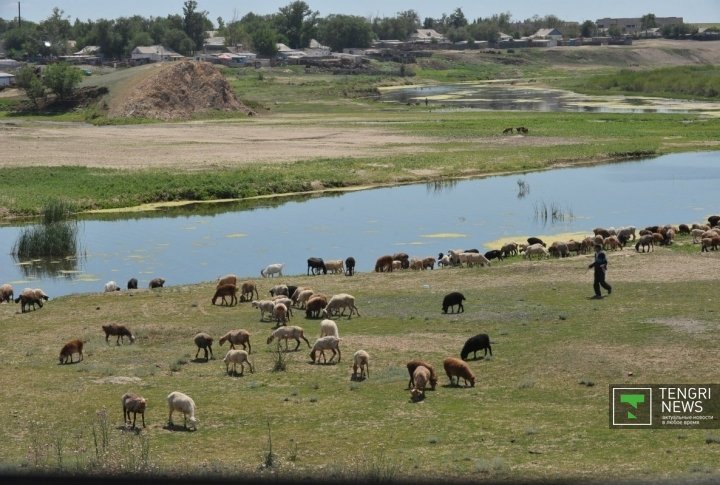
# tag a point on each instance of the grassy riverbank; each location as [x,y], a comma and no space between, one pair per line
[539,409]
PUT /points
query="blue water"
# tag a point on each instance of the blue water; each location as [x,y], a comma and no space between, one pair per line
[189,248]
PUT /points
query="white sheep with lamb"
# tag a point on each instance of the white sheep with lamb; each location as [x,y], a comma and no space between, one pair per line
[177,401]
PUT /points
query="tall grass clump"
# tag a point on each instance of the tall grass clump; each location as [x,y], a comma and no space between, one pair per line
[56,235]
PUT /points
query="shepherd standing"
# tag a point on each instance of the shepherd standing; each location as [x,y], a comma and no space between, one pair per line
[600,265]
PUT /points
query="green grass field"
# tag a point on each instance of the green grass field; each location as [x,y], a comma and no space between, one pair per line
[539,409]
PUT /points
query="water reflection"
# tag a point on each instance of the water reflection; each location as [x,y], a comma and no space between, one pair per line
[67,268]
[440,185]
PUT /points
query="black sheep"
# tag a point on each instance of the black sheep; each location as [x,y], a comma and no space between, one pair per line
[132,284]
[494,254]
[713,220]
[536,240]
[452,299]
[316,265]
[480,341]
[349,266]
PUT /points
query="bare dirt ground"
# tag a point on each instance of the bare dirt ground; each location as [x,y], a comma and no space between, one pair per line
[200,145]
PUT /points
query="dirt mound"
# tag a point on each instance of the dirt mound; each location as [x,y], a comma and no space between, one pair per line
[178,91]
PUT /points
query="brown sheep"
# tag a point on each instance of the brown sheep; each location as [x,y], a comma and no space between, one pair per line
[239,337]
[384,263]
[132,403]
[120,330]
[612,243]
[646,241]
[29,297]
[413,364]
[74,346]
[6,293]
[156,283]
[229,279]
[226,290]
[420,377]
[315,305]
[204,342]
[247,290]
[455,367]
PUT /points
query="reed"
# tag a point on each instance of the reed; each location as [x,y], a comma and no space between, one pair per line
[55,236]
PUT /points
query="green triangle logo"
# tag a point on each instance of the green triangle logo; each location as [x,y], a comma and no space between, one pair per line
[631,415]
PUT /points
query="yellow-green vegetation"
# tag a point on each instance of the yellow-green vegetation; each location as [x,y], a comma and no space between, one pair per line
[539,409]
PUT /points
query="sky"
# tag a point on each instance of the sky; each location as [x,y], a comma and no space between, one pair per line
[692,11]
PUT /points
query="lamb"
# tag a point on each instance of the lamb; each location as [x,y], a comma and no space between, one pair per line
[454,255]
[361,361]
[177,401]
[279,290]
[285,301]
[455,367]
[315,306]
[612,242]
[121,331]
[264,306]
[235,357]
[396,265]
[414,364]
[111,286]
[132,284]
[156,283]
[280,313]
[239,337]
[303,298]
[204,342]
[132,403]
[403,258]
[341,300]
[509,249]
[696,235]
[74,346]
[420,378]
[326,343]
[335,266]
[646,241]
[444,260]
[328,327]
[247,290]
[287,333]
[224,290]
[384,263]
[536,250]
[271,270]
[480,341]
[451,300]
[6,293]
[349,266]
[229,279]
[417,264]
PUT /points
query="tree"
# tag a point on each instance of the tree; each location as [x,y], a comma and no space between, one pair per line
[178,41]
[61,79]
[28,80]
[56,31]
[341,31]
[457,19]
[265,41]
[648,21]
[614,31]
[588,28]
[194,24]
[297,23]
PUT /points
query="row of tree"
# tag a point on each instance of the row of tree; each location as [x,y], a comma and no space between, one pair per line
[294,25]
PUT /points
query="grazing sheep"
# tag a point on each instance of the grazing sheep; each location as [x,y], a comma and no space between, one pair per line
[335,266]
[535,240]
[237,337]
[229,279]
[271,270]
[132,403]
[612,243]
[280,313]
[280,290]
[507,131]
[697,235]
[74,346]
[455,367]
[452,299]
[472,259]
[235,357]
[303,297]
[384,263]
[396,265]
[414,364]
[443,260]
[328,327]
[156,283]
[265,306]
[522,129]
[222,291]
[361,361]
[132,284]
[494,254]
[121,331]
[428,263]
[285,301]
[645,241]
[6,293]
[341,300]
[403,258]
[509,249]
[683,229]
[177,401]
[559,249]
[287,333]
[204,342]
[416,263]
[326,343]
[601,231]
[713,220]
[28,297]
[454,255]
[349,266]
[316,265]
[111,286]
[247,290]
[315,306]
[480,341]
[536,250]
[420,378]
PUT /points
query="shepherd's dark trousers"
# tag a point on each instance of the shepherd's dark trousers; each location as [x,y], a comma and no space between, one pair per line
[600,281]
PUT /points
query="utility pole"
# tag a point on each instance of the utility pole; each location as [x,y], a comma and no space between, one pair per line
[19,24]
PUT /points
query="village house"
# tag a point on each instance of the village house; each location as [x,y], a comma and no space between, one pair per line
[6,79]
[154,53]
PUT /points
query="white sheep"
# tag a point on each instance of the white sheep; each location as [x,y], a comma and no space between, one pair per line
[328,327]
[285,301]
[361,361]
[303,297]
[111,286]
[7,293]
[265,306]
[287,333]
[537,250]
[421,377]
[234,357]
[471,259]
[271,270]
[326,343]
[177,401]
[341,300]
[335,266]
